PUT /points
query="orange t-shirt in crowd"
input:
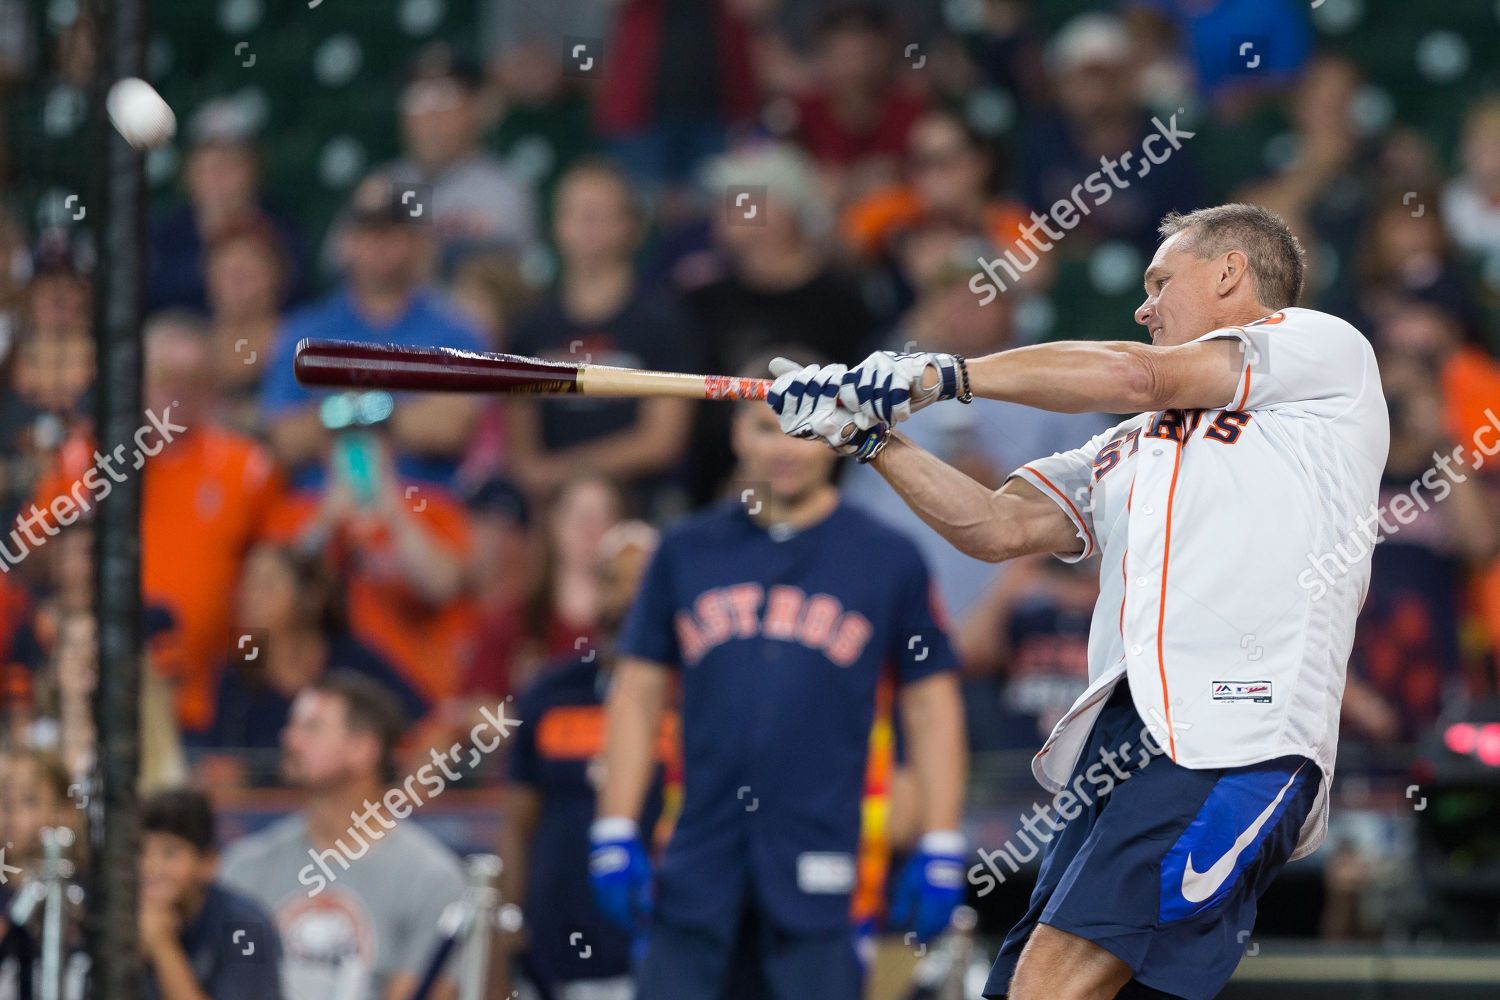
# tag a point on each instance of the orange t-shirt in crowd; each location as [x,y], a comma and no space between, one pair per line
[872,222]
[205,500]
[1471,395]
[426,644]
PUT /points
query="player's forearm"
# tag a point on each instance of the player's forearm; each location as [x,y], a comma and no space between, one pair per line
[969,515]
[1071,377]
[933,719]
[632,715]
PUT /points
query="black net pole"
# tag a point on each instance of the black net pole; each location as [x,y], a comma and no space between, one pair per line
[120,298]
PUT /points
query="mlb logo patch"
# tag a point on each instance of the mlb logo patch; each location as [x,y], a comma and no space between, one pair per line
[1253,691]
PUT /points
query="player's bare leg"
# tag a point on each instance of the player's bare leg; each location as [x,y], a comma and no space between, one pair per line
[1056,965]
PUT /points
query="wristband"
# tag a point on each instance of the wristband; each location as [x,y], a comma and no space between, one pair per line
[943,842]
[607,828]
[964,395]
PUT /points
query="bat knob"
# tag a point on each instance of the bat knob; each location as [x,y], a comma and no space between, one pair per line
[864,445]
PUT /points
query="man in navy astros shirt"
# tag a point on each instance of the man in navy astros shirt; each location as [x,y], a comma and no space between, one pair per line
[776,613]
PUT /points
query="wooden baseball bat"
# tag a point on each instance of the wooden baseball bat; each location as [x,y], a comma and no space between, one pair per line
[341,364]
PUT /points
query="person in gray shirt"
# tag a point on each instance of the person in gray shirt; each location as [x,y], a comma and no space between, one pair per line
[355,886]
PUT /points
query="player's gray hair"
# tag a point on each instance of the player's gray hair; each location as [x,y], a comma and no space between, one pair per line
[1278,264]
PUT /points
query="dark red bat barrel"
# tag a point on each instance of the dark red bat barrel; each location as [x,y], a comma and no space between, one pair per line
[342,364]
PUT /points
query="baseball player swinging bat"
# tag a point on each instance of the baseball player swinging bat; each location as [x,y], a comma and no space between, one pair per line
[342,364]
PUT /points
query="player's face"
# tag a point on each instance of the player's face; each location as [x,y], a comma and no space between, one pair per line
[1180,297]
[791,467]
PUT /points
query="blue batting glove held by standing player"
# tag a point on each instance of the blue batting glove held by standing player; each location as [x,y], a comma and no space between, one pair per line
[620,872]
[932,885]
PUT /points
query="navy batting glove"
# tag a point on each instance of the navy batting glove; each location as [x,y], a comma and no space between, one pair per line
[931,886]
[620,872]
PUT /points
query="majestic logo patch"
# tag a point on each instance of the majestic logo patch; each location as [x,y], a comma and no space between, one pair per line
[1256,691]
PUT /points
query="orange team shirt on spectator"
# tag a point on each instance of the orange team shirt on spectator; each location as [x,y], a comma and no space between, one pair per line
[206,500]
[1471,392]
[425,643]
[871,223]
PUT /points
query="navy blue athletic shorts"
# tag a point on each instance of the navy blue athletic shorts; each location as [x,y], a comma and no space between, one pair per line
[760,962]
[1165,870]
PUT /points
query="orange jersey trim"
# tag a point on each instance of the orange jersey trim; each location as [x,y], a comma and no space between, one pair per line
[1064,498]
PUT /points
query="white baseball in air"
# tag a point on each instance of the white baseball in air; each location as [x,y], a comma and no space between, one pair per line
[139,114]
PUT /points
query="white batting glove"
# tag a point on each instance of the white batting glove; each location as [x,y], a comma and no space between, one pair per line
[887,388]
[806,401]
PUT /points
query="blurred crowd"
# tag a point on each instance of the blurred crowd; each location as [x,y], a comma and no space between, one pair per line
[721,178]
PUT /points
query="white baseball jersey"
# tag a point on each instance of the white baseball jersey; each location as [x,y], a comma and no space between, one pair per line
[1207,523]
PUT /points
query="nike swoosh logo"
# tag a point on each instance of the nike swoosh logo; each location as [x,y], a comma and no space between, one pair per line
[1198,886]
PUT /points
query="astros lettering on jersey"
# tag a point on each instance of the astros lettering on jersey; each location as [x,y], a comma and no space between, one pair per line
[1203,520]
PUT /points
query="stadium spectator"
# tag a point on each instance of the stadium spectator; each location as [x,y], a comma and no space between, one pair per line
[245,273]
[198,940]
[1099,115]
[1469,378]
[1324,189]
[215,485]
[559,613]
[601,313]
[987,442]
[1408,656]
[221,178]
[34,796]
[357,896]
[504,572]
[383,299]
[491,292]
[950,178]
[675,76]
[1471,203]
[477,200]
[1208,36]
[51,371]
[1024,646]
[545,121]
[549,801]
[776,285]
[1403,255]
[289,605]
[855,118]
[401,549]
[209,484]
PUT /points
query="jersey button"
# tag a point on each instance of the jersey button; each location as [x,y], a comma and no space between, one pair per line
[1135,650]
[1141,581]
[1148,509]
[1156,451]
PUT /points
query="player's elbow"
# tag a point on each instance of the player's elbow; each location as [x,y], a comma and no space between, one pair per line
[1000,539]
[1142,379]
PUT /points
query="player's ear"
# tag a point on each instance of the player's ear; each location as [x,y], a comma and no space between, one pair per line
[1234,268]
